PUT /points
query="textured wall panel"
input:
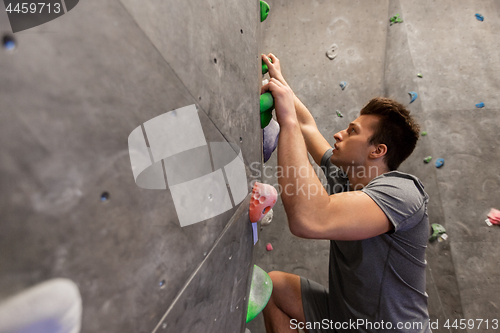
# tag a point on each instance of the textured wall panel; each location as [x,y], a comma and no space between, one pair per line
[457,54]
[212,48]
[214,299]
[72,92]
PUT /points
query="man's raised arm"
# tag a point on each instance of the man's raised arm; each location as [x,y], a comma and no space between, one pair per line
[311,212]
[315,142]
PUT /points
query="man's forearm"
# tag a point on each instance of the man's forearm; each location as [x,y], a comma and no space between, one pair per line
[303,115]
[302,192]
[315,143]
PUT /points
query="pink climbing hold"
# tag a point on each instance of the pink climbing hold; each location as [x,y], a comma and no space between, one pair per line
[494,216]
[269,247]
[263,198]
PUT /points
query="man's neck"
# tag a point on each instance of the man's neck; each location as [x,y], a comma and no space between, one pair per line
[360,176]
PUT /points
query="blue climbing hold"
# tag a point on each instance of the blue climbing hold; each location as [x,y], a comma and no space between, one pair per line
[413,95]
[480,17]
[105,196]
[9,43]
[343,84]
[480,105]
[439,162]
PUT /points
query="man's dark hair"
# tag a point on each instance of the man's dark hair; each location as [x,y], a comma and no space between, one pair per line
[396,128]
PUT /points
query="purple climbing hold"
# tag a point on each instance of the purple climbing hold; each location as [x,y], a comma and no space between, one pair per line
[270,139]
[255,233]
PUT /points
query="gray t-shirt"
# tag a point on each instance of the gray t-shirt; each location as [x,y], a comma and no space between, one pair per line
[381,280]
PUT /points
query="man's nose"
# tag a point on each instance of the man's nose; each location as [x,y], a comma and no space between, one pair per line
[338,136]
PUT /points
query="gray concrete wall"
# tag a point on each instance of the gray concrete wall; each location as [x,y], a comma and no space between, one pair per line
[71,93]
[459,59]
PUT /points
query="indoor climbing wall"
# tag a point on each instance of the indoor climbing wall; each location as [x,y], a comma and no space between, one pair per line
[321,44]
[457,55]
[92,101]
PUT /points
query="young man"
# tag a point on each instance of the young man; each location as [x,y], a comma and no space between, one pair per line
[376,218]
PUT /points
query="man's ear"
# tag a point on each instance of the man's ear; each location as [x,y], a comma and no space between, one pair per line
[379,151]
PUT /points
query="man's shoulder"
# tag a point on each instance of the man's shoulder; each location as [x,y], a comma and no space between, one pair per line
[401,196]
[397,181]
[397,178]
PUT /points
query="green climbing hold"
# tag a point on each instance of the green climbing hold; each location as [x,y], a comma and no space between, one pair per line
[427,159]
[395,19]
[437,232]
[261,289]
[264,10]
[265,69]
[265,119]
[424,133]
[266,108]
[419,75]
[339,114]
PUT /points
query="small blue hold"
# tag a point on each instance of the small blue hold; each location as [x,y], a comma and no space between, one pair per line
[9,45]
[105,196]
[480,17]
[8,42]
[480,105]
[413,95]
[343,84]
[439,162]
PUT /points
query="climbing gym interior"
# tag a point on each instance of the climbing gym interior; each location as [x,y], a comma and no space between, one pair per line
[140,186]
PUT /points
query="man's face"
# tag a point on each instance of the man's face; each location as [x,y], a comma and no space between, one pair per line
[352,147]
